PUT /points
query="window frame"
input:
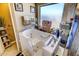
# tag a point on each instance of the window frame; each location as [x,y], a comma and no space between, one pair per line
[46,4]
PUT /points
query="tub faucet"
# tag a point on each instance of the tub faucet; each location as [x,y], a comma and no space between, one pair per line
[54,39]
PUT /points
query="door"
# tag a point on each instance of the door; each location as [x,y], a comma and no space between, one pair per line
[5,13]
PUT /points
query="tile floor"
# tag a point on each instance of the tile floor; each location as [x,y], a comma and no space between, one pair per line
[11,51]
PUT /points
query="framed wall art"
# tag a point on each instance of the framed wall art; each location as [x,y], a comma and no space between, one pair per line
[32,9]
[18,7]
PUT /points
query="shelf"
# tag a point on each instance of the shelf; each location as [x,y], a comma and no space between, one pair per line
[4,35]
[2,28]
[6,41]
[8,46]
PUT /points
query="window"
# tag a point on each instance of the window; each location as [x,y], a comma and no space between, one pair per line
[53,13]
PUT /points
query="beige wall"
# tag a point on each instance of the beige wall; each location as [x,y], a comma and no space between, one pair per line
[26,13]
[16,18]
[69,11]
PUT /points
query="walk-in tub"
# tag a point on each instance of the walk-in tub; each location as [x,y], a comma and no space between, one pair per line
[33,41]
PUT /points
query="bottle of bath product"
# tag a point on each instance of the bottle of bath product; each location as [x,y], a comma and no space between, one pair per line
[57,33]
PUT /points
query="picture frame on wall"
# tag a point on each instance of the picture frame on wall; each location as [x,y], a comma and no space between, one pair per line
[32,9]
[18,7]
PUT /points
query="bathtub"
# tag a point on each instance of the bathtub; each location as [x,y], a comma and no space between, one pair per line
[34,42]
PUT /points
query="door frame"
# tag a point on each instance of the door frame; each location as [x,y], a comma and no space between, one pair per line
[13,25]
